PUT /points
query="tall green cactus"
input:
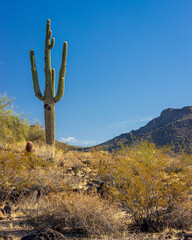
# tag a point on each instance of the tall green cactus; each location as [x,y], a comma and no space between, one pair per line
[49,97]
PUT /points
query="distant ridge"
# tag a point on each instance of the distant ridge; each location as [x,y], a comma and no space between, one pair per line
[173,126]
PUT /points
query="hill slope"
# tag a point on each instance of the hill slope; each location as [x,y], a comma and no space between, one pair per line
[173,126]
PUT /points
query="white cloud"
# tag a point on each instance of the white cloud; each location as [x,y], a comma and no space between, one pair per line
[70,140]
[126,123]
[78,142]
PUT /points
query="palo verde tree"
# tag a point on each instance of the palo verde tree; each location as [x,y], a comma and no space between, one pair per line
[49,99]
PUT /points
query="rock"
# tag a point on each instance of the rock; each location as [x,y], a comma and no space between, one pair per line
[29,146]
[2,214]
[180,235]
[45,234]
[4,237]
[7,209]
[188,237]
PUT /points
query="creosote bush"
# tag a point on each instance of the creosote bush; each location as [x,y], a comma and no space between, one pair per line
[22,172]
[19,172]
[154,185]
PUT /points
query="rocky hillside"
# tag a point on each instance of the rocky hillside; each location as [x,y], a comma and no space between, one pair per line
[173,126]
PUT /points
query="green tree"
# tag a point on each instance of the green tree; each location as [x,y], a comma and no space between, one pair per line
[13,127]
[36,132]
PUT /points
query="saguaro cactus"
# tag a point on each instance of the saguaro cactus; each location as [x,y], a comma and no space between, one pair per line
[49,99]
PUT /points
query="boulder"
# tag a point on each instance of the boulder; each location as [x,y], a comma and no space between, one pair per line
[45,234]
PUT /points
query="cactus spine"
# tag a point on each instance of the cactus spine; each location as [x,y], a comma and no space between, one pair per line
[49,97]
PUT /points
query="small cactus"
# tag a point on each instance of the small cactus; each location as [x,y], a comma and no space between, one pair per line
[29,146]
[49,97]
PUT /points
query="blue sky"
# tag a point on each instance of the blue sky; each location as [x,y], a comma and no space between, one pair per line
[127,61]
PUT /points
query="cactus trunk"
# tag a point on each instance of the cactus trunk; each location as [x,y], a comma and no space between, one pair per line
[49,115]
[49,97]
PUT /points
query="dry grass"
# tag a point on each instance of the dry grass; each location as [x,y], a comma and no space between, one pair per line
[88,214]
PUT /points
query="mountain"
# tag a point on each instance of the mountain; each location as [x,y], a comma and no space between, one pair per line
[172,127]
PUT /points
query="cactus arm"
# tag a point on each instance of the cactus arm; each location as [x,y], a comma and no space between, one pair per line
[51,45]
[53,82]
[60,89]
[48,31]
[37,90]
[48,36]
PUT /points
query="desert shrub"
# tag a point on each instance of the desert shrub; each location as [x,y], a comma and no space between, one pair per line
[20,172]
[153,185]
[88,214]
